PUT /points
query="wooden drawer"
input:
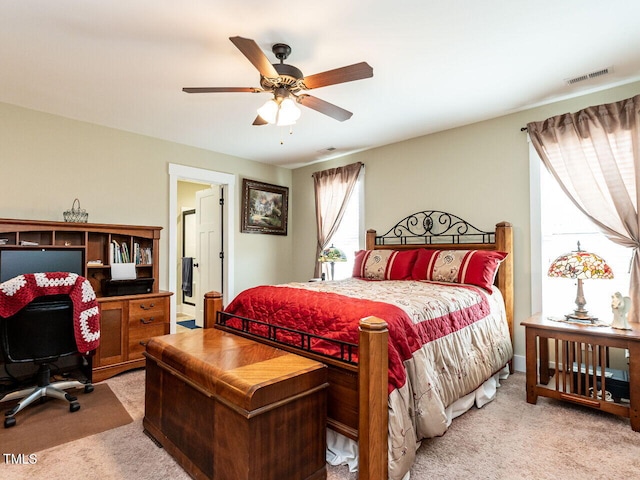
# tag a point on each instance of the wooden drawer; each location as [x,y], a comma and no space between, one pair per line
[147,318]
[143,334]
[147,309]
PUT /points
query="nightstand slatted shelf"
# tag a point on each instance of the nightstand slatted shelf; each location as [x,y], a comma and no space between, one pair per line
[579,352]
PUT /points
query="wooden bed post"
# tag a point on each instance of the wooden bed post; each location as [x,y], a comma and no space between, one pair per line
[212,305]
[504,243]
[370,239]
[373,416]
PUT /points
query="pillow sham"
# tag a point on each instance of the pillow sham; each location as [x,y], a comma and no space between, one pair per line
[384,264]
[475,267]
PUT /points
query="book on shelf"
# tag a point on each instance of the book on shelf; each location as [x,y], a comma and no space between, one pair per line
[119,252]
[28,243]
[142,255]
[4,241]
[122,253]
[125,253]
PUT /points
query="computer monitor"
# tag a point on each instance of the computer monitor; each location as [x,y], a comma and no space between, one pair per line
[14,262]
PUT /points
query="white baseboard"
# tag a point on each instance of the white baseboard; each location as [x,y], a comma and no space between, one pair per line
[519,363]
[187,310]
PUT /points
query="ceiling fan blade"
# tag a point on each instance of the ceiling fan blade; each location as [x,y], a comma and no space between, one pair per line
[255,55]
[221,89]
[259,121]
[357,71]
[327,108]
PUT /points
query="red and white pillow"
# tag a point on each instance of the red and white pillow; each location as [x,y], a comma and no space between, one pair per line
[384,264]
[475,267]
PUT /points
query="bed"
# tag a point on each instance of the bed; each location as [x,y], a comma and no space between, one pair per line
[424,323]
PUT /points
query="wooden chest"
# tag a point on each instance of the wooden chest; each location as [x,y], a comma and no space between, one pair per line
[228,408]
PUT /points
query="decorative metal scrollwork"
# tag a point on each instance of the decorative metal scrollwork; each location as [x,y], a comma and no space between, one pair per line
[433,226]
[345,351]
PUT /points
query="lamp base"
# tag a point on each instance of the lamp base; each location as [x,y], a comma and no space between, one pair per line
[580,314]
[581,317]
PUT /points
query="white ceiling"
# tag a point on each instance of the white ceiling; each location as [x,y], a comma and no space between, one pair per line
[437,64]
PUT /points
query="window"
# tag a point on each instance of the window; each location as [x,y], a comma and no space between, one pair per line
[350,235]
[562,226]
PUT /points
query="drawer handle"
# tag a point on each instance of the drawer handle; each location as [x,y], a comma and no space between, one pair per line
[146,322]
[146,308]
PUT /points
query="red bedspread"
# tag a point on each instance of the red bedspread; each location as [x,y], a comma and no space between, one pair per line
[16,293]
[336,316]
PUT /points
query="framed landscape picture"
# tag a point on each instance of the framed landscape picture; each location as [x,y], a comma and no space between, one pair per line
[264,208]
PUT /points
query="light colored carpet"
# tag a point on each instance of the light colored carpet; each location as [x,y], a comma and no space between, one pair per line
[507,439]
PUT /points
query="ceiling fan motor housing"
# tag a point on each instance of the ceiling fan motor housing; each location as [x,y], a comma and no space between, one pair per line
[288,76]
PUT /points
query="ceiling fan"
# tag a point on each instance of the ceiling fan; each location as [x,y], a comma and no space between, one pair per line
[286,82]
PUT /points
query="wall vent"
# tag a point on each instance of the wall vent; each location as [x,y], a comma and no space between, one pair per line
[589,76]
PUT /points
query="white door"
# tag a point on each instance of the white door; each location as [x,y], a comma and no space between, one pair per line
[207,271]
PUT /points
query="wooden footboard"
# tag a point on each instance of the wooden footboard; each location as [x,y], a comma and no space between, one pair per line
[357,397]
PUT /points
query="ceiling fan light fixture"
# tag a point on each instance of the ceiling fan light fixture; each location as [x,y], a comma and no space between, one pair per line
[269,111]
[289,113]
[280,111]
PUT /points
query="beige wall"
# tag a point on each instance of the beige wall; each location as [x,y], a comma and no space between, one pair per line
[46,161]
[479,172]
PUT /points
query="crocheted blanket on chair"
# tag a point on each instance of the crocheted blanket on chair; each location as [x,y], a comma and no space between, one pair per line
[19,291]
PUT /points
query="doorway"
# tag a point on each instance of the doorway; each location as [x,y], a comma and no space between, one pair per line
[188,251]
[200,249]
[207,178]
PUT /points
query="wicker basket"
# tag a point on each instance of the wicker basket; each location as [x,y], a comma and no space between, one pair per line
[76,214]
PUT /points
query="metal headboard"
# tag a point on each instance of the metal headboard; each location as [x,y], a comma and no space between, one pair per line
[433,227]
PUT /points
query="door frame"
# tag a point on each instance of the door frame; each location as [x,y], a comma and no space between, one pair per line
[184,173]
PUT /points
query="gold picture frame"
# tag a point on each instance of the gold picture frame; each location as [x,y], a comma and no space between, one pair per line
[264,208]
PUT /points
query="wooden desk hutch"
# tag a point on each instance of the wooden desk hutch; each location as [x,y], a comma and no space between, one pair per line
[127,321]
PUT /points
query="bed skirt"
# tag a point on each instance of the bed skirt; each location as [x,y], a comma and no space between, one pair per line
[342,450]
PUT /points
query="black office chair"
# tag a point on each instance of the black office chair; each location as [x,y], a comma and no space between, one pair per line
[42,333]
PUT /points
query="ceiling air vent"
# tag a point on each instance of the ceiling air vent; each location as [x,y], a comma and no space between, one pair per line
[589,76]
[327,150]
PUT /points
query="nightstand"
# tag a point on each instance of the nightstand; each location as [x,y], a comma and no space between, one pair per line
[580,353]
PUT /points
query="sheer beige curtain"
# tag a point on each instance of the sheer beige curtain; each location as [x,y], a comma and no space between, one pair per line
[594,154]
[333,189]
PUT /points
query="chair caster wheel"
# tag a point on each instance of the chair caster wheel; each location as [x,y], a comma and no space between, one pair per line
[88,388]
[74,406]
[9,422]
